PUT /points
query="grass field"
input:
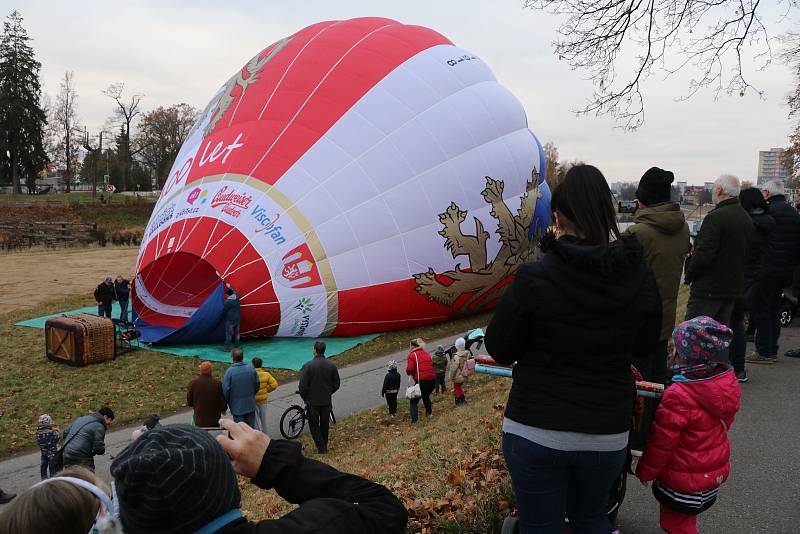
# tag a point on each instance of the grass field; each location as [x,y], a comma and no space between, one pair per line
[135,385]
[78,197]
[448,469]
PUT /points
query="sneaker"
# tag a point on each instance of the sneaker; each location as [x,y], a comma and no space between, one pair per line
[757,358]
[6,497]
[741,376]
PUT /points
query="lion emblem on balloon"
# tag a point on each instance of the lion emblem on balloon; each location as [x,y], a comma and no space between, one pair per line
[482,283]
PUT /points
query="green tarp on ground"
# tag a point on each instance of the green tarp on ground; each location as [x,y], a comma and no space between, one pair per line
[279,352]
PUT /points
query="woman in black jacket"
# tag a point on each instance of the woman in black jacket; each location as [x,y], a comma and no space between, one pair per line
[753,203]
[572,323]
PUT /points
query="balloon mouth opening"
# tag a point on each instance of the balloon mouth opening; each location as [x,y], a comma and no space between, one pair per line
[176,284]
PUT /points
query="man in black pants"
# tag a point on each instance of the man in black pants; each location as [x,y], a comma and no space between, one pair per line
[104,295]
[319,380]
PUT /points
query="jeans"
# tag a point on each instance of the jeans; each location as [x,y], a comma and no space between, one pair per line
[261,417]
[104,310]
[653,368]
[426,387]
[719,309]
[231,335]
[391,402]
[123,310]
[45,467]
[319,418]
[765,302]
[440,383]
[249,418]
[545,479]
[739,342]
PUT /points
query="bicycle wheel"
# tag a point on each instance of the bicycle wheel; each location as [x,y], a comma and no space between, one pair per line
[293,421]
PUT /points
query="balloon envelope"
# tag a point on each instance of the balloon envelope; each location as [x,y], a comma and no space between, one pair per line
[357,176]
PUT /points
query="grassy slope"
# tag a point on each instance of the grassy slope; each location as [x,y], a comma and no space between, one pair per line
[448,470]
[135,385]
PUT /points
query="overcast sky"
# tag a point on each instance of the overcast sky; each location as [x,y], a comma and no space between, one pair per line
[183,51]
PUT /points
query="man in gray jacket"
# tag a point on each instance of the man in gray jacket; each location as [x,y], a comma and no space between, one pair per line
[85,438]
[319,380]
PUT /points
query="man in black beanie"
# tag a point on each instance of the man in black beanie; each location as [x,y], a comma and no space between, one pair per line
[177,479]
[661,228]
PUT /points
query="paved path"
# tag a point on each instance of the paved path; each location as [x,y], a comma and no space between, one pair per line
[360,390]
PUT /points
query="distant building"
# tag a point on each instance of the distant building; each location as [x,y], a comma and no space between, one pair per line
[692,194]
[772,165]
[708,186]
[681,186]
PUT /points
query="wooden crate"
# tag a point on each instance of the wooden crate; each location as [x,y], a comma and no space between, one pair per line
[80,339]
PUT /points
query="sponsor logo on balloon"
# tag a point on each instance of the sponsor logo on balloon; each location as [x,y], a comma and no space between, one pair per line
[196,195]
[305,306]
[231,201]
[160,219]
[299,269]
[266,223]
[460,59]
[177,177]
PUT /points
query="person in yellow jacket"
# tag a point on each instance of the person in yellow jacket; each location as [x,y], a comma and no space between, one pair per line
[267,385]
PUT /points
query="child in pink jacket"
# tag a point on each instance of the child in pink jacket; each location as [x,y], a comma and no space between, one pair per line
[688,453]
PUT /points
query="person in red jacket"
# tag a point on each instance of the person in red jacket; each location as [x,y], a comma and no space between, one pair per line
[688,453]
[420,369]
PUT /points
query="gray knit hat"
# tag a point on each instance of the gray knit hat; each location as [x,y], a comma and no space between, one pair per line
[173,479]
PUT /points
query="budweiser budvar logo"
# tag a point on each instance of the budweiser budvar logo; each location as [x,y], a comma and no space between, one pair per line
[230,201]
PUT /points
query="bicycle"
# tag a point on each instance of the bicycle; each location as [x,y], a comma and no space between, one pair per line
[293,421]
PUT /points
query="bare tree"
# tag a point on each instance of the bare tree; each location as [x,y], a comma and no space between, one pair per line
[125,112]
[791,55]
[621,43]
[161,135]
[551,175]
[66,130]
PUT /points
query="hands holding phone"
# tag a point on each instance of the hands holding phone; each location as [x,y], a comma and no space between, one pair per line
[245,446]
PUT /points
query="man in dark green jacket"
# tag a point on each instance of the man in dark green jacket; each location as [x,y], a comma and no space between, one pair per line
[661,228]
[716,267]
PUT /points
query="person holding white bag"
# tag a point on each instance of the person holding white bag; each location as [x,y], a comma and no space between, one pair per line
[419,369]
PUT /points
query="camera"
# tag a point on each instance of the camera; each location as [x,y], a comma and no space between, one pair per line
[626,206]
[216,431]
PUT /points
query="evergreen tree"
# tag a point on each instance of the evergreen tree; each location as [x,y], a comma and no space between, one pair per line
[22,119]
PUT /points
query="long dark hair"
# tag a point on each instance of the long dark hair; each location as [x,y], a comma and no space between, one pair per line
[583,197]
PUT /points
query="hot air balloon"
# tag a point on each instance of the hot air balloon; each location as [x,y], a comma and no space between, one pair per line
[355,177]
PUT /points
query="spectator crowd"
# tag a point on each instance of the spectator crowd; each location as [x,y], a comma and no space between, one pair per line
[597,309]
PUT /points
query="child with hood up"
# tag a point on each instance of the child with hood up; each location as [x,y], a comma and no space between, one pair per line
[688,452]
[47,440]
[457,370]
[391,385]
[440,361]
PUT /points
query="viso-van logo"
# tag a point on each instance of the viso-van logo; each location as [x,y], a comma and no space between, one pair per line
[305,306]
[266,223]
[231,201]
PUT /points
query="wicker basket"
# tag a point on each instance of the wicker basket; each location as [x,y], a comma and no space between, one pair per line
[80,339]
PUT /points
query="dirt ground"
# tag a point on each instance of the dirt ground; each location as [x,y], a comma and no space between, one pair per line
[31,278]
